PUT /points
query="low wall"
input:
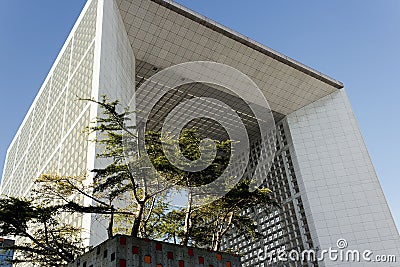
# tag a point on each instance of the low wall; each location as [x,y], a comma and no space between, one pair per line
[126,251]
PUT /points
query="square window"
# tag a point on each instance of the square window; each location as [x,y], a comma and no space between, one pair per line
[201,260]
[190,252]
[170,255]
[147,259]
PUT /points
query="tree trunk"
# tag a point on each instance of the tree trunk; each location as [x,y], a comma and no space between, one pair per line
[188,221]
[111,224]
[217,241]
[220,233]
[138,220]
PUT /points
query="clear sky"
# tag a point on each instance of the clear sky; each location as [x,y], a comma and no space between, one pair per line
[354,41]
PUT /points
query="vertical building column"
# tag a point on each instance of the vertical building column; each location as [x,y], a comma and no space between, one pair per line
[343,194]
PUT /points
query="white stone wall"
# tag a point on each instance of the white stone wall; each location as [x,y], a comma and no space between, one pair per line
[117,63]
[116,80]
[343,194]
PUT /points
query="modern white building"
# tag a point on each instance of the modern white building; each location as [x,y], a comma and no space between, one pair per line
[322,173]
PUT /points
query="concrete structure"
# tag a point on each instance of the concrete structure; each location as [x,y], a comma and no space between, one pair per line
[126,251]
[322,174]
[6,253]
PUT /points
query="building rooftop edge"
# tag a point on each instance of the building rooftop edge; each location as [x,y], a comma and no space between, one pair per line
[209,23]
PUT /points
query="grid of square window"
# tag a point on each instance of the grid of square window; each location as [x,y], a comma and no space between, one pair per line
[284,228]
[36,147]
[80,86]
[84,34]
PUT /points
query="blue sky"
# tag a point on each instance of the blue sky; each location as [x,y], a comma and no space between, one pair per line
[354,41]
